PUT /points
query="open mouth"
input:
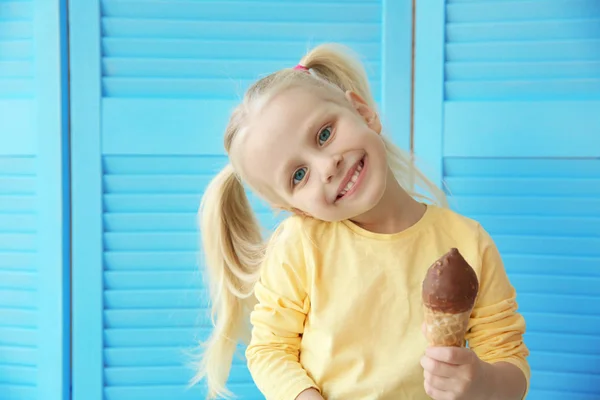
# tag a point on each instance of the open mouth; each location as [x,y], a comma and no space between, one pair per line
[351,183]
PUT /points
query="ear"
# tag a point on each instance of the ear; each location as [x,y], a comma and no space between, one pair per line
[364,110]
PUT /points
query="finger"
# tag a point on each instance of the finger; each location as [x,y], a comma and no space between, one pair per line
[439,382]
[438,368]
[437,394]
[424,329]
[450,355]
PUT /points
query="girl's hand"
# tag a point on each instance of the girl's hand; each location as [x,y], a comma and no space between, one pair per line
[454,373]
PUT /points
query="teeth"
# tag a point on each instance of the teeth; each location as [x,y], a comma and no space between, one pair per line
[353,179]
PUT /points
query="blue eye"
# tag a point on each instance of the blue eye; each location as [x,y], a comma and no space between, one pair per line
[324,135]
[299,175]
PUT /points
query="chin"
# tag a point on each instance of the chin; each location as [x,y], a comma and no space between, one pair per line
[368,200]
[374,196]
[328,218]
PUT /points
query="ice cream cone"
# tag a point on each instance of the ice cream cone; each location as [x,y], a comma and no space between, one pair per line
[449,291]
[445,329]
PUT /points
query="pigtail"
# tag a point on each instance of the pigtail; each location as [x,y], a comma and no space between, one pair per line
[233,250]
[338,65]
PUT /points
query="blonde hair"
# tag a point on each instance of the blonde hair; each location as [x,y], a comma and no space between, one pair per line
[231,236]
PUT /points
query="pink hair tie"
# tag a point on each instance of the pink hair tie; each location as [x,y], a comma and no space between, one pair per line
[300,67]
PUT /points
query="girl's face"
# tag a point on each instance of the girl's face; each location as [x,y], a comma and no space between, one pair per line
[311,155]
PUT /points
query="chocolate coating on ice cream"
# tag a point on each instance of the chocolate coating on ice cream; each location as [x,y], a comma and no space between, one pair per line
[450,285]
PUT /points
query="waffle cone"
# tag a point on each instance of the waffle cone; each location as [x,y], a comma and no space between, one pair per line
[443,329]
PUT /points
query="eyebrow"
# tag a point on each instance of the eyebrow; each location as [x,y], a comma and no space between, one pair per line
[314,123]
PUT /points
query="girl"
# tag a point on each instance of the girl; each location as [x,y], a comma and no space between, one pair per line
[334,297]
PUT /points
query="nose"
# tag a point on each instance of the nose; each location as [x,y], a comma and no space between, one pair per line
[330,166]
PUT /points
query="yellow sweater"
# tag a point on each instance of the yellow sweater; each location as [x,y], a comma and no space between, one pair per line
[339,308]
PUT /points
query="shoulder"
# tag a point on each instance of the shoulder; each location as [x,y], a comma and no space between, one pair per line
[295,230]
[295,237]
[290,251]
[467,227]
[467,234]
[457,226]
[447,217]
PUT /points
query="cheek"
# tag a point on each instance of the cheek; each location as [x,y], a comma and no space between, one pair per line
[268,195]
[312,203]
[378,152]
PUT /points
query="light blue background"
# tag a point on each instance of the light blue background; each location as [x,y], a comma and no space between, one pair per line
[110,130]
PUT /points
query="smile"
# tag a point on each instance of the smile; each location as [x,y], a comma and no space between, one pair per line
[352,180]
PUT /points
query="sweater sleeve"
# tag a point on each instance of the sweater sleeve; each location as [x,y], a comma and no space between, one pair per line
[496,329]
[278,322]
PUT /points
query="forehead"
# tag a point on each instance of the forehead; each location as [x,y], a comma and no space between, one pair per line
[276,132]
[285,114]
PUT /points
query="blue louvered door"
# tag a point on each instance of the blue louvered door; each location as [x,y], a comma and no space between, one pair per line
[508,115]
[152,86]
[34,276]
